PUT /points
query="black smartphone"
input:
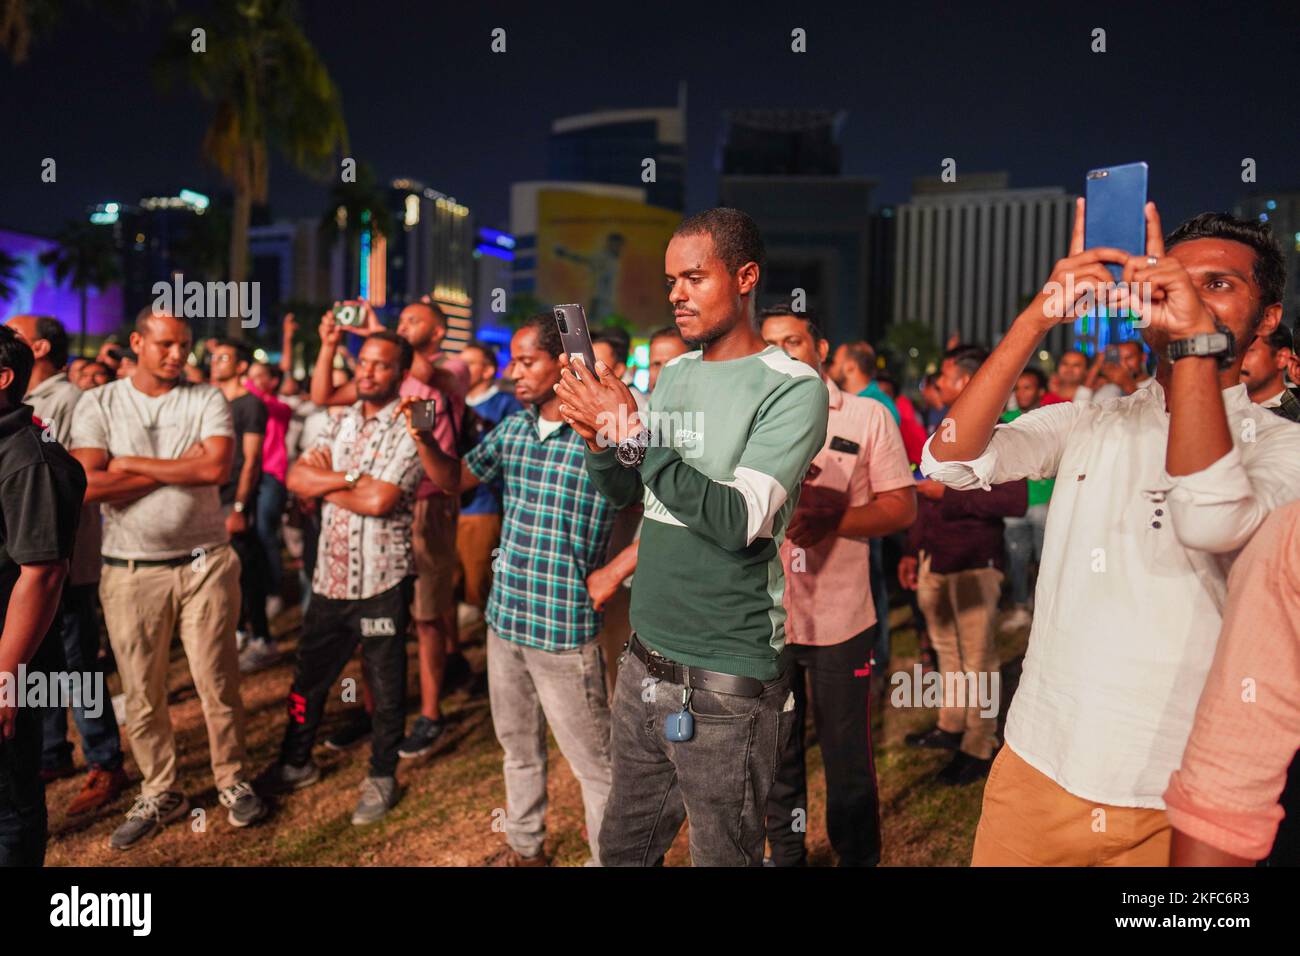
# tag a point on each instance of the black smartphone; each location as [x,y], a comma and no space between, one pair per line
[1112,355]
[350,314]
[574,335]
[1116,210]
[424,414]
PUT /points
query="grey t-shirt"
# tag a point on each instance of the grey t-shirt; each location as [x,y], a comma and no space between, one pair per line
[171,521]
[54,401]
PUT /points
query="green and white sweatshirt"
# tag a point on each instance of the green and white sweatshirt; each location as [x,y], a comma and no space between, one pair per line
[731,443]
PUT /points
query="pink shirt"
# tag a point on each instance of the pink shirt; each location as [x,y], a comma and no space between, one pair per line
[275,457]
[828,586]
[1247,725]
[444,433]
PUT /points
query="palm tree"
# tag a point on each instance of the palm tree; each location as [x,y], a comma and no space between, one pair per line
[269,89]
[85,258]
[357,207]
[8,276]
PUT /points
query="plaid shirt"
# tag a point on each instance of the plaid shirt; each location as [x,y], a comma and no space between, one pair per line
[555,529]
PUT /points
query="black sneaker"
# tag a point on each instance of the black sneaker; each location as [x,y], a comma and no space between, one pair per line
[424,734]
[963,769]
[934,739]
[148,815]
[243,805]
[282,777]
[351,733]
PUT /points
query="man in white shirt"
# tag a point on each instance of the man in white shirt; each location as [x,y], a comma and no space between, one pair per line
[1155,493]
[1263,372]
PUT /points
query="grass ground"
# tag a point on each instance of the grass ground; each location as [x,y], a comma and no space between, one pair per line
[452,799]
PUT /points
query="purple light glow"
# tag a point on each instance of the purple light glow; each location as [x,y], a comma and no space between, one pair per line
[37,292]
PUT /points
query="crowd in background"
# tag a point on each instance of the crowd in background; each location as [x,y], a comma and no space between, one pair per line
[221,490]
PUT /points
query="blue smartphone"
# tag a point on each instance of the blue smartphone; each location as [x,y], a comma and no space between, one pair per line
[1115,215]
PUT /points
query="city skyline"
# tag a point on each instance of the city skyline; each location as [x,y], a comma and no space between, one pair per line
[974,91]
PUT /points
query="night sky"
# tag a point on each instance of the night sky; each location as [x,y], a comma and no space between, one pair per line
[1190,89]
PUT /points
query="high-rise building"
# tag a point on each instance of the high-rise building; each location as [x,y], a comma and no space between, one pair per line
[494,257]
[782,167]
[612,146]
[971,254]
[1282,212]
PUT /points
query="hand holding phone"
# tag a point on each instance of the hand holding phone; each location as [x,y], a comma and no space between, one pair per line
[424,414]
[575,337]
[1116,210]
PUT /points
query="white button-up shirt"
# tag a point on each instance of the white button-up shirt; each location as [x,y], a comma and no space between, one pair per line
[1132,581]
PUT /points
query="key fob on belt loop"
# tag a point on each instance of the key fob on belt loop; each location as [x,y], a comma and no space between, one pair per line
[680,727]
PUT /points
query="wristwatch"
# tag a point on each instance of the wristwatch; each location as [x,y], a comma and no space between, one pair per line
[352,477]
[238,508]
[1220,345]
[630,452]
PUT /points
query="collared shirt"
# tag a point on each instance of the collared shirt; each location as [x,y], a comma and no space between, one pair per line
[360,556]
[828,588]
[555,527]
[1285,404]
[874,391]
[54,401]
[1132,581]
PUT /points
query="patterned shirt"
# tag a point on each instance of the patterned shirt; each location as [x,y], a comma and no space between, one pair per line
[554,529]
[360,556]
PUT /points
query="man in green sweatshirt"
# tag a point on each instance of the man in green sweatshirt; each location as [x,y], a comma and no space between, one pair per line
[702,704]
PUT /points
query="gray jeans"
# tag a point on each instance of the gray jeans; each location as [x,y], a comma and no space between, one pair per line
[530,688]
[719,779]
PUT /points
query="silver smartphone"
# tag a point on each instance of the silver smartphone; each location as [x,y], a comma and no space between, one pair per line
[575,336]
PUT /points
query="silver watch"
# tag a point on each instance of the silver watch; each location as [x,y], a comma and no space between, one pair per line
[352,477]
[630,452]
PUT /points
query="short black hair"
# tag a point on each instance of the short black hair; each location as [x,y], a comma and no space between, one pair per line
[406,350]
[1270,265]
[967,357]
[736,237]
[16,355]
[1039,376]
[548,333]
[1078,352]
[428,300]
[885,377]
[617,339]
[785,308]
[668,331]
[241,349]
[489,353]
[51,330]
[863,356]
[1280,338]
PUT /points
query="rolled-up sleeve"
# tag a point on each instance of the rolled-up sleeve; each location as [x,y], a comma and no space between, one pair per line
[1029,447]
[1218,508]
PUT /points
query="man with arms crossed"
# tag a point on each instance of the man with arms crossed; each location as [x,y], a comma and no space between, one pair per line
[156,449]
[1154,493]
[703,705]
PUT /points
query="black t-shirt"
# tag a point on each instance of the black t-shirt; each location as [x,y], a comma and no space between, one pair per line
[41,491]
[249,414]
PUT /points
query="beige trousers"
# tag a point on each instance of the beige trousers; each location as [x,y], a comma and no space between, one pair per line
[143,607]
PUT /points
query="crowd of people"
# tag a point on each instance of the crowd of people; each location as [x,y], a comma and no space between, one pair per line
[674,581]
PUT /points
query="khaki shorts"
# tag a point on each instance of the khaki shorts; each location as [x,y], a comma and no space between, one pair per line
[433,538]
[476,538]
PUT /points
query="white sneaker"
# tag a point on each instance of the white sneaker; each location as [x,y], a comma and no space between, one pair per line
[119,709]
[274,607]
[1017,618]
[260,653]
[467,616]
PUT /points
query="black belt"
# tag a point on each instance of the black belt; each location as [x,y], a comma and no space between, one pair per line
[153,562]
[661,668]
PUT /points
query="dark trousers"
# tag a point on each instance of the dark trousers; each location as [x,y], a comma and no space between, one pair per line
[840,700]
[23,823]
[271,497]
[253,580]
[718,780]
[78,629]
[883,649]
[330,633]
